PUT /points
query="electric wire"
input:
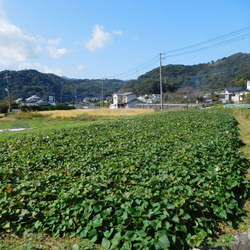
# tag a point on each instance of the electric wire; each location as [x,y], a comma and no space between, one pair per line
[211,46]
[246,29]
[143,66]
[231,37]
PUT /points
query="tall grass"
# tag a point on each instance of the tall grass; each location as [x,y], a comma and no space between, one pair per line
[104,112]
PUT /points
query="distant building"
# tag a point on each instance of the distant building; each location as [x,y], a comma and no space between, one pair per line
[237,94]
[33,98]
[34,101]
[42,103]
[124,100]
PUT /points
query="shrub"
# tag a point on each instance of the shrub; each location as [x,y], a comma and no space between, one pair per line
[25,108]
[4,107]
[60,106]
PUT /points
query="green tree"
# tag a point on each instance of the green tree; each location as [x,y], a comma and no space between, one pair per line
[247,98]
[216,98]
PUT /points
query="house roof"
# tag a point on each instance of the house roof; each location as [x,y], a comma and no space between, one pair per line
[124,94]
[236,89]
[133,100]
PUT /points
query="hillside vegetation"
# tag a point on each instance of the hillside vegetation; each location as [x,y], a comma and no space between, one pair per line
[25,83]
[230,71]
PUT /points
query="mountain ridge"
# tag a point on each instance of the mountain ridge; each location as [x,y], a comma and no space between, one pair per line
[225,72]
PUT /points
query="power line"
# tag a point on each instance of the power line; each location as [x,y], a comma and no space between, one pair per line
[235,39]
[214,40]
[231,37]
[135,70]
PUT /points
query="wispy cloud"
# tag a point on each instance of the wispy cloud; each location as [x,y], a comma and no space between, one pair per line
[81,67]
[136,37]
[100,39]
[117,32]
[56,53]
[54,42]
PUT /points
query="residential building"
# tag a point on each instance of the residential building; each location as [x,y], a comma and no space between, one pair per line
[124,100]
[237,94]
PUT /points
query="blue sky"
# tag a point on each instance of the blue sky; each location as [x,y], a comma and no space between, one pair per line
[121,39]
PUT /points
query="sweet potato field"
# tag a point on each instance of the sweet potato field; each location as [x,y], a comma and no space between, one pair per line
[160,181]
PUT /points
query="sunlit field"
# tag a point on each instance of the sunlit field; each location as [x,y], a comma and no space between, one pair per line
[105,112]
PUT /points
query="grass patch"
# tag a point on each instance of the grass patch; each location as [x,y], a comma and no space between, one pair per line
[103,112]
[46,243]
[45,121]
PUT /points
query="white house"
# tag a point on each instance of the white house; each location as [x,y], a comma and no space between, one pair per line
[34,101]
[124,100]
[237,94]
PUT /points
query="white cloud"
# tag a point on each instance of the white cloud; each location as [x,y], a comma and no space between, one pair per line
[54,42]
[100,39]
[117,32]
[15,46]
[56,53]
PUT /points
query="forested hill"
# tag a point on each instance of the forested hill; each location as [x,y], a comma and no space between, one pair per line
[226,72]
[25,83]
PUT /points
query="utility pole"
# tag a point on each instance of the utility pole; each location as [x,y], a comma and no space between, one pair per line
[61,91]
[161,93]
[8,89]
[75,98]
[102,93]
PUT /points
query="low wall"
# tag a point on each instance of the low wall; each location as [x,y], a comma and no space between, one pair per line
[171,106]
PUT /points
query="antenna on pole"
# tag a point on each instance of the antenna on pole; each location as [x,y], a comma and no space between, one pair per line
[161,93]
[8,90]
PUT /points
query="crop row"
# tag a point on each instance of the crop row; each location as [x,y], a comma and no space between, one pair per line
[152,182]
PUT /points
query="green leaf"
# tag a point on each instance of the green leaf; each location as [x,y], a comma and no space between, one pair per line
[223,214]
[38,224]
[127,246]
[7,225]
[116,240]
[97,208]
[141,233]
[176,219]
[164,242]
[106,243]
[93,234]
[108,233]
[229,223]
[97,222]
[170,206]
[75,247]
